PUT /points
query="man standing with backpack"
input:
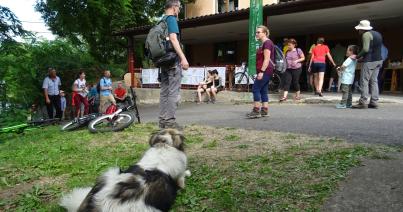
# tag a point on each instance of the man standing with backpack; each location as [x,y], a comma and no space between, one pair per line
[171,76]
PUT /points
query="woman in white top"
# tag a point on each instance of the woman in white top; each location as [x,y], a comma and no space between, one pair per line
[80,89]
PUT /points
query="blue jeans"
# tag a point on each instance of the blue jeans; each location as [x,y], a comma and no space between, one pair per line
[260,89]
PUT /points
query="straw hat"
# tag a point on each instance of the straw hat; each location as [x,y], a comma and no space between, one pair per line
[364,25]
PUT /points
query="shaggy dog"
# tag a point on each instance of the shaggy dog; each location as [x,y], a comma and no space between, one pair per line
[150,185]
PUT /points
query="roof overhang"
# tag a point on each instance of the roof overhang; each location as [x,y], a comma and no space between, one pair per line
[242,15]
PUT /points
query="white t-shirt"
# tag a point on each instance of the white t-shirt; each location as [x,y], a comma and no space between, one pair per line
[81,85]
[348,74]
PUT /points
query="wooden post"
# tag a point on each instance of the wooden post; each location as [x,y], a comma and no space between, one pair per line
[130,60]
[226,5]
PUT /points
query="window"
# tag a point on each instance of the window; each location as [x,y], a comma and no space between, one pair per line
[221,6]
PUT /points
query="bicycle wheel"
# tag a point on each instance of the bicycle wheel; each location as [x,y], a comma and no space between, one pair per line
[106,124]
[241,82]
[274,84]
[72,125]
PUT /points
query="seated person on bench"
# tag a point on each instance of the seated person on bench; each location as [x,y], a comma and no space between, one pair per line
[120,94]
[203,86]
[216,87]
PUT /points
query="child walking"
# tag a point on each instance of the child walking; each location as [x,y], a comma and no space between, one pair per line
[347,77]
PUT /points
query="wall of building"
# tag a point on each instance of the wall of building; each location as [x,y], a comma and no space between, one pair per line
[207,7]
[202,54]
[242,51]
[200,8]
[246,3]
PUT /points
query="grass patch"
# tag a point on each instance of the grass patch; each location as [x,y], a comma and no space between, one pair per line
[211,145]
[232,138]
[261,171]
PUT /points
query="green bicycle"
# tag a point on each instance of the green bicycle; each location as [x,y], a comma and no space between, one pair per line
[29,126]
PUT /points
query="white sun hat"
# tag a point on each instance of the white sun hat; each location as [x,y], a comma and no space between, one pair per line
[364,25]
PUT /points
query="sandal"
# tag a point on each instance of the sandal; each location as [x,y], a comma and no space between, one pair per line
[297,98]
[283,99]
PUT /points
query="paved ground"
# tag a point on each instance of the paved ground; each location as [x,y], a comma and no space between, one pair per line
[375,186]
[384,125]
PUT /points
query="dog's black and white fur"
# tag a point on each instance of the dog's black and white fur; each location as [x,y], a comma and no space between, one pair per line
[150,185]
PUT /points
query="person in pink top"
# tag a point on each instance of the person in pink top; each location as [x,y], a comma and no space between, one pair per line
[294,57]
[318,64]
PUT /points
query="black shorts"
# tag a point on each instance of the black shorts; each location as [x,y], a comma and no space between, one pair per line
[318,67]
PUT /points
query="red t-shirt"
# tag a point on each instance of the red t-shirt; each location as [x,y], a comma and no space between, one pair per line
[120,92]
[319,53]
[260,57]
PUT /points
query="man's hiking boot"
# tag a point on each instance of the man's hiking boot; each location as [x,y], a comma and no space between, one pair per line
[254,114]
[373,106]
[360,106]
[264,112]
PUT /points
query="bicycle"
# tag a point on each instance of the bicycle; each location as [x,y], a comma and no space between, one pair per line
[243,80]
[112,110]
[29,126]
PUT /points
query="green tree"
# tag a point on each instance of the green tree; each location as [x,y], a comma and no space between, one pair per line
[94,21]
[10,26]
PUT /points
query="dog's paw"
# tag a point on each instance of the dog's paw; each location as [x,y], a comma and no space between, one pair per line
[187,173]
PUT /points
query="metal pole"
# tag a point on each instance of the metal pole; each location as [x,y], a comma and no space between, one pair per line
[130,55]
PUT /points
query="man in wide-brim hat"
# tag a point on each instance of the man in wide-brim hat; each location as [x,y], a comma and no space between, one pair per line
[371,58]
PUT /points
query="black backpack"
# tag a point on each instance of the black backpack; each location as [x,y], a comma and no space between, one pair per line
[158,46]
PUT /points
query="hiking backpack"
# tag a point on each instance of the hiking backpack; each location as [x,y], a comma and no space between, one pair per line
[158,46]
[280,63]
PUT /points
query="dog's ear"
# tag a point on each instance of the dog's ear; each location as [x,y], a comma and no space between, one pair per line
[154,139]
[179,141]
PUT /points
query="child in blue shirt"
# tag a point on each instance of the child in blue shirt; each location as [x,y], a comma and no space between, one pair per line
[347,77]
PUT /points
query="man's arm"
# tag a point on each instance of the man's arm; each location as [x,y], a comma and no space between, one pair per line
[175,43]
[366,41]
[45,90]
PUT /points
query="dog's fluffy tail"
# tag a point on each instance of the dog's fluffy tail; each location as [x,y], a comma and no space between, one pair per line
[73,200]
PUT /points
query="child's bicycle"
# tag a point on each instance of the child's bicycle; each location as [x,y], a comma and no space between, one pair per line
[242,80]
[114,119]
[29,126]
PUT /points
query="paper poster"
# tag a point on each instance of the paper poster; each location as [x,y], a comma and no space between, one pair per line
[149,76]
[193,76]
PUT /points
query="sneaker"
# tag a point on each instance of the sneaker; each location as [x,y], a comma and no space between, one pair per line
[341,106]
[320,94]
[373,106]
[254,114]
[264,112]
[360,106]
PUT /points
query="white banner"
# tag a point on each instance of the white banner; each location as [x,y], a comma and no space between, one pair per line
[149,76]
[192,76]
